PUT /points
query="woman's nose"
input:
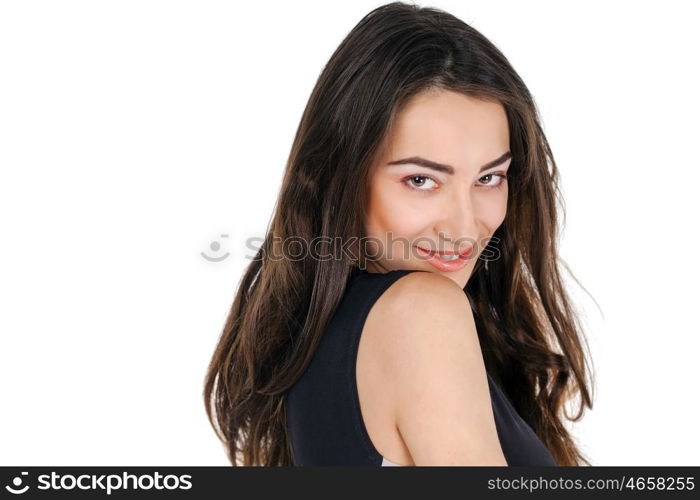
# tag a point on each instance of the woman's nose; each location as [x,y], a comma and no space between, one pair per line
[458,224]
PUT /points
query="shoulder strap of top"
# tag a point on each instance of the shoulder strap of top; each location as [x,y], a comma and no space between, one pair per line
[362,293]
[323,408]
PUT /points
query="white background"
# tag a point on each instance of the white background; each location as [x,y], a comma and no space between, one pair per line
[135,133]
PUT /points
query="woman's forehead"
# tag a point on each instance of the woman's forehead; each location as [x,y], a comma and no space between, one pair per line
[449,127]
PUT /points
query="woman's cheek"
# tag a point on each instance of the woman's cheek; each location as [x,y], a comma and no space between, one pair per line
[492,212]
[404,215]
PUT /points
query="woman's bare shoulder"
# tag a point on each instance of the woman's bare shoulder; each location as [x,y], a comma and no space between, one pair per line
[421,286]
[419,297]
[425,339]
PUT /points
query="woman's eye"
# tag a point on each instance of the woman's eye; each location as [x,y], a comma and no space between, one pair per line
[427,183]
[500,180]
[419,182]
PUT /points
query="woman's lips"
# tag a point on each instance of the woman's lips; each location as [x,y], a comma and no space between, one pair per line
[464,254]
[433,257]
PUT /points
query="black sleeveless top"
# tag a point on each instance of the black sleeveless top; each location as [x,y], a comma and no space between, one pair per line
[322,408]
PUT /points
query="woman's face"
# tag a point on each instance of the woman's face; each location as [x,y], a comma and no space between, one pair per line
[455,205]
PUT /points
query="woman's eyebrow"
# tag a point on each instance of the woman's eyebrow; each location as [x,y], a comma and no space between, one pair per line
[441,167]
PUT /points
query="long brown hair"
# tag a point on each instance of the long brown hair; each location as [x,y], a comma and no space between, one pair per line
[531,339]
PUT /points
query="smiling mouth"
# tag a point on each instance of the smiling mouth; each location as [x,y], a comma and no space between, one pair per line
[447,255]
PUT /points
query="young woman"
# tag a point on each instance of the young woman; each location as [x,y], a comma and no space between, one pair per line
[407,306]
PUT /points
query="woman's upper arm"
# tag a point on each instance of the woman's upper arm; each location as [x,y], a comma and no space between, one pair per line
[435,367]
